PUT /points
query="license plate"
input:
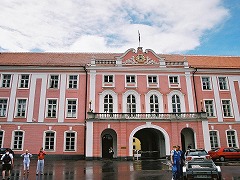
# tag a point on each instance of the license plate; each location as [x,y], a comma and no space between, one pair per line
[201,176]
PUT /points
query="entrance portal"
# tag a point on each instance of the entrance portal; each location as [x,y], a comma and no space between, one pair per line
[109,139]
[187,139]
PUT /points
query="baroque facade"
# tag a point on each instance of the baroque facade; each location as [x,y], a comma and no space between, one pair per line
[81,104]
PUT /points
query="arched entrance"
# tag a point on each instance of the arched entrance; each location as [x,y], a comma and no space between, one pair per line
[109,139]
[187,138]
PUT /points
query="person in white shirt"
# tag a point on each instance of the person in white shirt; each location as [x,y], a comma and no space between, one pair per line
[26,161]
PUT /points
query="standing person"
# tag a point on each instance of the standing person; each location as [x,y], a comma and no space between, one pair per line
[26,161]
[7,164]
[111,152]
[176,162]
[40,162]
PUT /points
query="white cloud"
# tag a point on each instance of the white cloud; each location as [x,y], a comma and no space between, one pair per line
[109,26]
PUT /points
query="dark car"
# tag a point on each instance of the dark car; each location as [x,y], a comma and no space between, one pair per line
[3,151]
[224,153]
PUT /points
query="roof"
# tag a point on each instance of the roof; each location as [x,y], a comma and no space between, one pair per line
[81,59]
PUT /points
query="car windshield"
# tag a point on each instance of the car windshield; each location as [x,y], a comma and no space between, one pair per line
[197,153]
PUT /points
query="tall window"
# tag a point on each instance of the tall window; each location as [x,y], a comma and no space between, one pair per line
[152,79]
[108,78]
[154,105]
[6,80]
[3,107]
[130,79]
[131,104]
[72,81]
[70,141]
[176,105]
[52,108]
[173,79]
[54,81]
[226,106]
[18,140]
[213,139]
[231,138]
[1,139]
[108,103]
[21,108]
[24,81]
[209,108]
[222,83]
[49,140]
[206,84]
[71,108]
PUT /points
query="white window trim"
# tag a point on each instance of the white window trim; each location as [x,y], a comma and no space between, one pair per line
[236,136]
[227,83]
[105,84]
[1,79]
[12,142]
[210,81]
[160,101]
[69,80]
[174,85]
[49,80]
[66,108]
[75,144]
[153,85]
[46,108]
[19,81]
[44,140]
[218,137]
[182,100]
[214,107]
[7,106]
[127,84]
[115,100]
[3,138]
[232,113]
[16,107]
[124,101]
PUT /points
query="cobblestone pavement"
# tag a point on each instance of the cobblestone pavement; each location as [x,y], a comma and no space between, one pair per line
[106,170]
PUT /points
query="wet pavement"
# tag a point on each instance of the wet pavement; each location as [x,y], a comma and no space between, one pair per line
[107,170]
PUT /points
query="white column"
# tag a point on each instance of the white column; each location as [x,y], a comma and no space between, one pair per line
[217,99]
[31,98]
[12,98]
[89,139]
[62,98]
[42,107]
[189,92]
[206,137]
[92,89]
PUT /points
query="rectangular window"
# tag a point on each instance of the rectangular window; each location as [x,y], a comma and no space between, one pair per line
[54,81]
[231,138]
[52,108]
[152,79]
[71,108]
[18,140]
[70,141]
[206,84]
[21,107]
[130,79]
[173,80]
[6,80]
[24,81]
[227,112]
[1,139]
[3,107]
[49,141]
[72,81]
[209,108]
[108,78]
[222,83]
[213,139]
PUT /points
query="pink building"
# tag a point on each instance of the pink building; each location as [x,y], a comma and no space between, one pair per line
[82,104]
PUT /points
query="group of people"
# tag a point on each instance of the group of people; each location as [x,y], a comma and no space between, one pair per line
[7,163]
[177,161]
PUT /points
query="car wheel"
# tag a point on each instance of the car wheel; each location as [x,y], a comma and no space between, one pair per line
[222,158]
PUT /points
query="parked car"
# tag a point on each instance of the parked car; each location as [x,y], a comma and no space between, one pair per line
[224,153]
[205,169]
[3,151]
[196,155]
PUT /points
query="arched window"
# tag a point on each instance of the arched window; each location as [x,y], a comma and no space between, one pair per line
[131,104]
[176,105]
[154,104]
[108,103]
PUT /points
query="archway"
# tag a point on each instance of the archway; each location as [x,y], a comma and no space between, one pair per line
[187,138]
[109,139]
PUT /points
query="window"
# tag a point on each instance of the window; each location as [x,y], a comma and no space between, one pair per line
[152,79]
[108,78]
[108,103]
[71,108]
[3,107]
[130,79]
[53,82]
[176,105]
[1,139]
[209,108]
[131,104]
[21,107]
[52,108]
[213,139]
[173,79]
[72,81]
[49,140]
[70,141]
[154,105]
[206,85]
[227,112]
[222,83]
[6,80]
[231,138]
[24,81]
[17,140]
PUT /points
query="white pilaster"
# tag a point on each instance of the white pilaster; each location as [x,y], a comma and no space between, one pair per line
[62,98]
[31,98]
[12,98]
[92,88]
[217,99]
[42,107]
[189,92]
[89,139]
[206,136]
[234,98]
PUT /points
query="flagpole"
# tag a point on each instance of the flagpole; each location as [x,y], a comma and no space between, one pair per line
[139,38]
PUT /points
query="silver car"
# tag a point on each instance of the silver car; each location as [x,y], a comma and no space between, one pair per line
[196,155]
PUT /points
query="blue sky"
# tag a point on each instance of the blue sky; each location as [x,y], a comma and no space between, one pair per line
[206,27]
